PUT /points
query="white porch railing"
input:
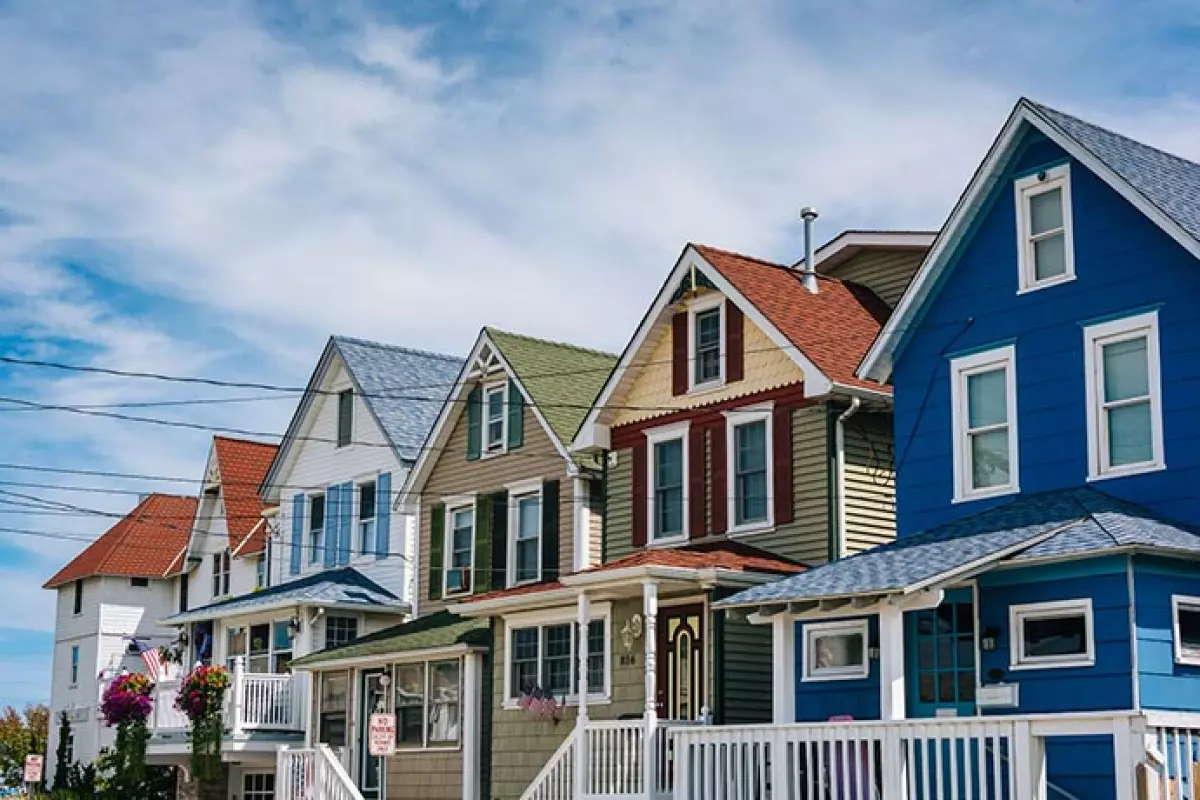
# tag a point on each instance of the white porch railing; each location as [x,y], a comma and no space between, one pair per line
[255,702]
[164,716]
[312,774]
[1171,770]
[556,780]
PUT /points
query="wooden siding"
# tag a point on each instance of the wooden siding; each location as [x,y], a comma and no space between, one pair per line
[618,525]
[885,272]
[766,366]
[870,482]
[746,672]
[521,746]
[425,775]
[1163,683]
[454,475]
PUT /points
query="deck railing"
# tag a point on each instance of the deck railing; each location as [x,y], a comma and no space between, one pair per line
[254,702]
[312,774]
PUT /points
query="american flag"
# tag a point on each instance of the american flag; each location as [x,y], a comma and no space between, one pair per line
[150,657]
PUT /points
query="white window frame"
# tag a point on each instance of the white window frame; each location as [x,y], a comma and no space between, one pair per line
[426,746]
[272,650]
[734,419]
[1095,337]
[485,450]
[316,553]
[358,515]
[1025,189]
[816,630]
[454,505]
[961,369]
[667,433]
[1018,614]
[1178,602]
[699,306]
[517,492]
[223,567]
[255,794]
[550,619]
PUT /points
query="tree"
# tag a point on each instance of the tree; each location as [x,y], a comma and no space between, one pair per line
[21,735]
[63,755]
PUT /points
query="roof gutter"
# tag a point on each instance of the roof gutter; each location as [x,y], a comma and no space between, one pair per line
[387,658]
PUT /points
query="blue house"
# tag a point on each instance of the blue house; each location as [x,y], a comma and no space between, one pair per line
[1035,629]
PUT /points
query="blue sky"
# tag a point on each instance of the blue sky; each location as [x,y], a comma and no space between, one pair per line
[215,188]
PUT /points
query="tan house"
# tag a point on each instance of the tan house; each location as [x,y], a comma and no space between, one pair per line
[735,445]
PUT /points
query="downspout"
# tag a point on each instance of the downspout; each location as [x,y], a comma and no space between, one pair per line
[840,447]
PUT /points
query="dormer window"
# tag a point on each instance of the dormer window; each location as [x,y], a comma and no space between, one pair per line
[495,417]
[1046,254]
[705,341]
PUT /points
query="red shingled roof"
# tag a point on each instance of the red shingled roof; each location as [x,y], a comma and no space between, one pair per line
[725,555]
[833,328]
[243,465]
[148,543]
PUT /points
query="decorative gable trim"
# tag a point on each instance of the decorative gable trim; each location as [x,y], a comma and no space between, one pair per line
[877,365]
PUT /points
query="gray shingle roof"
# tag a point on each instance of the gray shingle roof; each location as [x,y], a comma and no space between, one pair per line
[1068,522]
[404,388]
[1169,182]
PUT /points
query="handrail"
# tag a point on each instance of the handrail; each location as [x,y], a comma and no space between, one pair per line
[555,781]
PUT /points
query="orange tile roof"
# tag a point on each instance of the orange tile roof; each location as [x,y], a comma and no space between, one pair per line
[148,543]
[833,328]
[243,465]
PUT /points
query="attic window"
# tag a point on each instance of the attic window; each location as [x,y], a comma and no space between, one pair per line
[345,421]
[705,340]
[139,583]
[1046,253]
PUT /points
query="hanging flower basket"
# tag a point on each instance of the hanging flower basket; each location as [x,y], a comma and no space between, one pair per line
[540,703]
[126,705]
[202,697]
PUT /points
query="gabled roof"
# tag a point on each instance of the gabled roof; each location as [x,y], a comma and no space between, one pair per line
[242,465]
[442,629]
[1068,523]
[345,588]
[1164,187]
[148,543]
[402,387]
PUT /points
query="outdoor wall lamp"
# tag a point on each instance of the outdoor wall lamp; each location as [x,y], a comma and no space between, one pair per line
[873,652]
[294,625]
[989,638]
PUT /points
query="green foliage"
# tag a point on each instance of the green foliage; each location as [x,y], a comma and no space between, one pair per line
[62,755]
[21,735]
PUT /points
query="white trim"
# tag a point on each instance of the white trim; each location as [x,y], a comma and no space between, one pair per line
[1018,614]
[656,436]
[733,420]
[544,618]
[1189,603]
[485,448]
[815,630]
[1095,337]
[356,502]
[448,548]
[516,492]
[1024,190]
[961,369]
[847,244]
[694,308]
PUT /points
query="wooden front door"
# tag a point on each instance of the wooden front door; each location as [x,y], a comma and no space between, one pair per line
[681,662]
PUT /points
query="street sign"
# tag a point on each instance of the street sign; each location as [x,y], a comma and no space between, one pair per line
[33,769]
[381,739]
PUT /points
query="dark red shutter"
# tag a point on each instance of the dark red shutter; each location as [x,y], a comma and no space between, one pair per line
[637,496]
[781,446]
[720,488]
[734,351]
[696,483]
[679,353]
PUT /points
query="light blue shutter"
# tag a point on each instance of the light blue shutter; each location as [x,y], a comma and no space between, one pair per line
[383,514]
[345,522]
[329,539]
[297,532]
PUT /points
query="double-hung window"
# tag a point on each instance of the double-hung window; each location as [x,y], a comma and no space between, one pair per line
[667,498]
[460,550]
[340,631]
[984,418]
[366,517]
[525,537]
[316,527]
[1056,634]
[220,573]
[544,656]
[335,702]
[748,432]
[74,664]
[704,344]
[1185,618]
[1124,396]
[1045,250]
[495,422]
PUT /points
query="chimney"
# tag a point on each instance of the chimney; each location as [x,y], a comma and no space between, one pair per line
[808,214]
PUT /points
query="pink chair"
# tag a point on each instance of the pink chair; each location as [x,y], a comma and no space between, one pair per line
[844,778]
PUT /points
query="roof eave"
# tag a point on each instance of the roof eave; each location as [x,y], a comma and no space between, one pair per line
[388,658]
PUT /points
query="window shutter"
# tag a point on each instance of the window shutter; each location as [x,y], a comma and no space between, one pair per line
[639,494]
[734,350]
[437,544]
[720,481]
[696,483]
[516,416]
[346,522]
[679,353]
[781,448]
[297,533]
[329,536]
[481,580]
[383,515]
[550,530]
[500,538]
[474,423]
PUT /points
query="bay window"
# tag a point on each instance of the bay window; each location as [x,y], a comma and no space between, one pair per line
[984,420]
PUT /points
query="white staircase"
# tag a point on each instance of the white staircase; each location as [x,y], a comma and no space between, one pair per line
[312,774]
[556,780]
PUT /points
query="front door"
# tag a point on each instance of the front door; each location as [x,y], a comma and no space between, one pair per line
[373,694]
[681,662]
[941,656]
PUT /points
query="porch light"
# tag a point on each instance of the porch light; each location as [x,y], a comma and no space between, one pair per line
[989,638]
[294,625]
[873,651]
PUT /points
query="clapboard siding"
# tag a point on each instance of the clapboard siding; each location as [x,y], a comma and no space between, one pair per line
[885,272]
[870,482]
[618,508]
[746,675]
[1164,684]
[424,775]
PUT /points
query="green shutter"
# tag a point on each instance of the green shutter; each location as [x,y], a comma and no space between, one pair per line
[500,538]
[516,416]
[482,579]
[550,530]
[474,423]
[437,545]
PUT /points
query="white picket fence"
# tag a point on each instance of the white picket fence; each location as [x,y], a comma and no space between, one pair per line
[312,774]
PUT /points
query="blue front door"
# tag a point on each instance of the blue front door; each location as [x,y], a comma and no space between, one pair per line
[940,657]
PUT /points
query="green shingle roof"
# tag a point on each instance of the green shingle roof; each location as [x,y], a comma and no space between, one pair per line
[561,379]
[440,629]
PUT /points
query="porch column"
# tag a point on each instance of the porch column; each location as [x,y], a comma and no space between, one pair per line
[583,607]
[472,694]
[650,636]
[783,648]
[891,663]
[237,705]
